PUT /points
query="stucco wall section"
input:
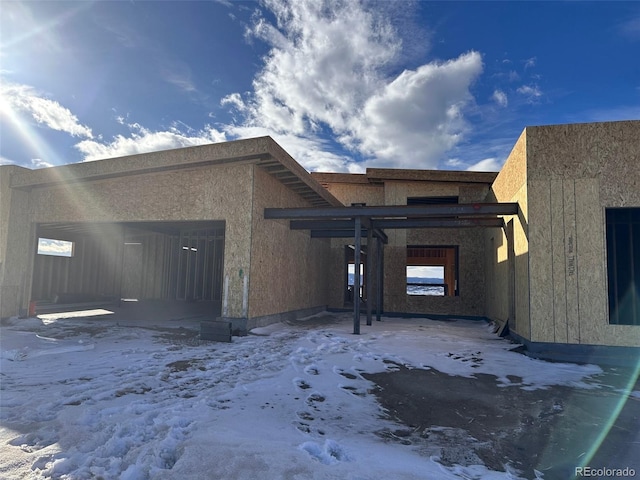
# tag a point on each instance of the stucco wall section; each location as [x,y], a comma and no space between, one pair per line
[288,269]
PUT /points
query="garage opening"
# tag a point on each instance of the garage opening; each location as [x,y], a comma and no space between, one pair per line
[91,262]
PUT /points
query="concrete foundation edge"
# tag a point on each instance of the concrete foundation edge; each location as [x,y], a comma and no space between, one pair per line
[579,353]
[241,326]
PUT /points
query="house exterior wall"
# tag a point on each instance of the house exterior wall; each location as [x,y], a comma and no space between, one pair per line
[14,230]
[575,172]
[470,250]
[348,193]
[470,300]
[288,269]
[507,260]
[215,192]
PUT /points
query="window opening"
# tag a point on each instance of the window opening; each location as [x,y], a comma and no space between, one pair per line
[56,248]
[623,265]
[425,281]
[432,270]
[349,278]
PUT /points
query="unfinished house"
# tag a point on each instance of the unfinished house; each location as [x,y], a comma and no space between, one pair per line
[566,269]
[549,247]
[184,225]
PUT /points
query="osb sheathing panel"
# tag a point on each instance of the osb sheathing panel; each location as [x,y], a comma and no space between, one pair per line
[586,168]
[513,173]
[15,279]
[429,189]
[288,269]
[472,193]
[395,193]
[496,273]
[395,278]
[349,193]
[337,272]
[146,163]
[540,262]
[522,324]
[205,193]
[510,186]
[5,201]
[559,270]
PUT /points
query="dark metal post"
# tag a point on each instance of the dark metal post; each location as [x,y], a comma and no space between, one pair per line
[356,277]
[369,268]
[380,247]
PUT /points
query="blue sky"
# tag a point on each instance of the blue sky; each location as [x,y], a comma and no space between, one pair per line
[341,85]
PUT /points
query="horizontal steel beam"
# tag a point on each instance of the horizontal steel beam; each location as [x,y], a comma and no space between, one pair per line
[438,223]
[336,233]
[410,211]
[321,224]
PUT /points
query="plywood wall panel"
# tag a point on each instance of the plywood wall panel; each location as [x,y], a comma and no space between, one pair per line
[289,269]
[597,166]
[558,283]
[510,186]
[540,261]
[349,193]
[590,267]
[570,276]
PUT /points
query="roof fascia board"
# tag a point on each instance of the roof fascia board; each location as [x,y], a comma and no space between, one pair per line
[238,151]
[382,174]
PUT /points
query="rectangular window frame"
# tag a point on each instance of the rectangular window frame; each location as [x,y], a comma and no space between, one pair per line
[43,247]
[446,256]
[622,226]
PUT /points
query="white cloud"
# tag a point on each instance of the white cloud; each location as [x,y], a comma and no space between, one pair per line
[39,163]
[531,92]
[486,165]
[310,151]
[330,66]
[418,117]
[142,140]
[630,28]
[454,162]
[44,111]
[500,98]
[530,62]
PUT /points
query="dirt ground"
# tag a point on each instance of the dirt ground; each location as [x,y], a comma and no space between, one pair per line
[551,431]
[476,420]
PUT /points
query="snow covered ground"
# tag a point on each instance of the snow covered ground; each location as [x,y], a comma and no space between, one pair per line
[85,399]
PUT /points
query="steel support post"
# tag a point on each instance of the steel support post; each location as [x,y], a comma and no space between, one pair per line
[369,267]
[356,276]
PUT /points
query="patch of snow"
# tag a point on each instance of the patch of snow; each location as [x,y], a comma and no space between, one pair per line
[290,404]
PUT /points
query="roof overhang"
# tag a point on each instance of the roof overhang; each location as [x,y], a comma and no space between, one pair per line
[262,151]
